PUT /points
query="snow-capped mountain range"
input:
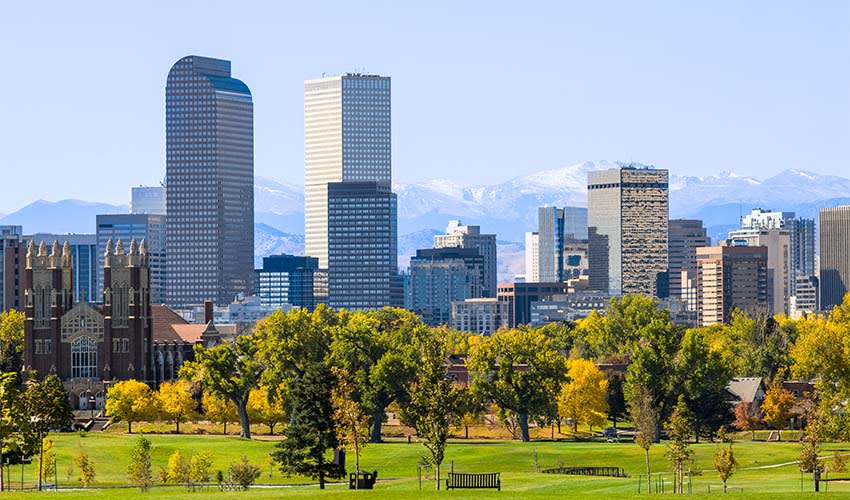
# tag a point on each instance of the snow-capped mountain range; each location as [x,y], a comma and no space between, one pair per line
[506,208]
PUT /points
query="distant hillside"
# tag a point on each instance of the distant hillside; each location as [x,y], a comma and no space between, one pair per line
[64,216]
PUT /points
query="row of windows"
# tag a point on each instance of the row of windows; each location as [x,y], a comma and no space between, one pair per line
[43,346]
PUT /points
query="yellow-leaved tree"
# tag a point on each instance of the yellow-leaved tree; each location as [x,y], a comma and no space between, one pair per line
[777,406]
[582,399]
[218,409]
[176,402]
[130,401]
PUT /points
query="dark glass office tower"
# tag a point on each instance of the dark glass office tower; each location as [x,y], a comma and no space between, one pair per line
[210,177]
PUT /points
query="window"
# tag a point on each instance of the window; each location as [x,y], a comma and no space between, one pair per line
[84,357]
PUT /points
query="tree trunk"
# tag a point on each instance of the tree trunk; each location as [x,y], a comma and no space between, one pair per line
[558,420]
[271,429]
[648,471]
[523,427]
[575,426]
[356,461]
[465,431]
[2,482]
[243,420]
[437,475]
[129,427]
[614,421]
[377,421]
[724,486]
[178,426]
[225,427]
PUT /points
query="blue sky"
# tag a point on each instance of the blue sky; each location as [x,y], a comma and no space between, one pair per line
[482,91]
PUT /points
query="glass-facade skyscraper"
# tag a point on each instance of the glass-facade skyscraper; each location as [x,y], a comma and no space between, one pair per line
[126,227]
[86,262]
[210,177]
[347,137]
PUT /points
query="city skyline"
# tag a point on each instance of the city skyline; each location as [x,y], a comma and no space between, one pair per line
[689,90]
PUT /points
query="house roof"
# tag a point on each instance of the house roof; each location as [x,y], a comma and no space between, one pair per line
[745,388]
[168,326]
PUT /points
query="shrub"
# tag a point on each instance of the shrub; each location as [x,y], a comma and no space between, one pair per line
[243,473]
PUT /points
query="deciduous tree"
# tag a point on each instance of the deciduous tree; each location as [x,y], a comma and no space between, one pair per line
[725,462]
[139,471]
[176,401]
[11,341]
[645,420]
[777,406]
[218,409]
[130,401]
[745,420]
[520,371]
[703,376]
[582,398]
[265,407]
[352,423]
[680,427]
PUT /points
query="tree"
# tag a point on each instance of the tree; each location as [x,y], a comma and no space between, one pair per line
[435,401]
[229,370]
[758,347]
[745,420]
[520,371]
[11,414]
[48,470]
[176,401]
[130,401]
[645,420]
[679,427]
[11,341]
[47,403]
[243,473]
[703,377]
[653,366]
[218,409]
[352,424]
[725,462]
[582,399]
[139,471]
[378,350]
[178,469]
[311,431]
[267,407]
[200,468]
[777,406]
[86,469]
[615,398]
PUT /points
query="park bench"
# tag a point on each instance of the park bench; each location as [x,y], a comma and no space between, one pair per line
[457,480]
[587,471]
[362,481]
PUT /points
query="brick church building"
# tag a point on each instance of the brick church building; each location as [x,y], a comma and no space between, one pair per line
[88,345]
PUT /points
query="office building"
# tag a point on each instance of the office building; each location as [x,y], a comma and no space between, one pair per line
[439,276]
[12,252]
[518,298]
[728,278]
[125,227]
[209,140]
[550,244]
[834,255]
[362,246]
[85,262]
[147,200]
[807,298]
[779,272]
[567,307]
[346,138]
[285,281]
[482,316]
[627,230]
[462,236]
[575,223]
[802,235]
[575,259]
[532,256]
[88,345]
[684,236]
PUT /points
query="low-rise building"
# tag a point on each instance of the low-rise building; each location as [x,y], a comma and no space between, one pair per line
[480,316]
[567,307]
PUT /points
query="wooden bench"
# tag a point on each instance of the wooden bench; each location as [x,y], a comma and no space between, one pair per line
[457,480]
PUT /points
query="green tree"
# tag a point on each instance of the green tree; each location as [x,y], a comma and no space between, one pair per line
[615,398]
[352,423]
[680,426]
[176,401]
[11,413]
[582,398]
[653,367]
[520,371]
[11,341]
[130,401]
[703,377]
[617,332]
[311,431]
[435,401]
[645,419]
[47,403]
[378,349]
[229,370]
[139,471]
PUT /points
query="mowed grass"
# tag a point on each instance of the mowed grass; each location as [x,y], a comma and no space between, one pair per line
[762,474]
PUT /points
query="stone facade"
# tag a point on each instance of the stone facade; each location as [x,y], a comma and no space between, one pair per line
[88,346]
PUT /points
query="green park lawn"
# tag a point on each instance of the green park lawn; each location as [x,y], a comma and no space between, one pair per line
[396,462]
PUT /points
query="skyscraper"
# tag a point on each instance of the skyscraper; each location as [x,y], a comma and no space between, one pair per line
[684,237]
[802,237]
[731,277]
[550,244]
[779,272]
[286,280]
[362,246]
[462,236]
[532,254]
[347,136]
[834,255]
[86,261]
[126,227]
[575,223]
[210,177]
[439,276]
[627,230]
[147,200]
[12,253]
